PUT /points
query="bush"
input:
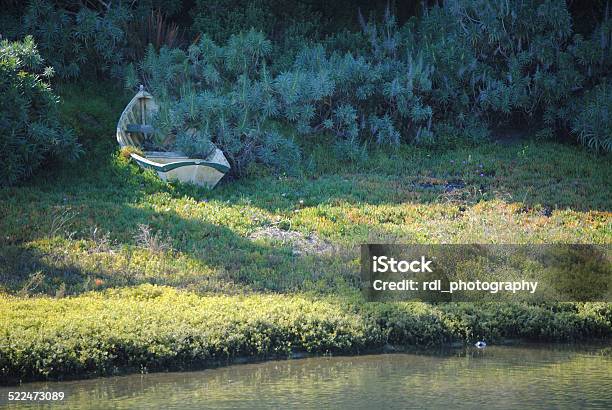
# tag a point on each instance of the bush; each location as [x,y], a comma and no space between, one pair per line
[223,92]
[356,97]
[222,19]
[149,328]
[503,63]
[593,122]
[30,130]
[83,38]
[289,24]
[449,76]
[77,39]
[230,96]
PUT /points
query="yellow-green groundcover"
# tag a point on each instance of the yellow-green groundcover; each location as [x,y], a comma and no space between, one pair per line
[149,328]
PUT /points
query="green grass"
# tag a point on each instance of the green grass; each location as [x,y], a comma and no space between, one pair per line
[75,230]
[80,227]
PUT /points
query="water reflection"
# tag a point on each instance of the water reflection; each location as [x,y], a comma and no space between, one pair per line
[535,376]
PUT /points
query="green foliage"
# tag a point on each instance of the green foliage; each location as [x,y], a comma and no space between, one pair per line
[152,328]
[152,28]
[380,93]
[223,92]
[81,38]
[229,94]
[194,143]
[514,57]
[75,232]
[508,62]
[30,130]
[91,109]
[289,24]
[440,77]
[593,122]
[222,19]
[413,194]
[446,77]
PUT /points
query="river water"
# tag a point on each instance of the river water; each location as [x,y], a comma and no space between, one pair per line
[526,376]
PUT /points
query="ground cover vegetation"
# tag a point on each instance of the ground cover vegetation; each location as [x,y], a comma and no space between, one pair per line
[155,328]
[340,131]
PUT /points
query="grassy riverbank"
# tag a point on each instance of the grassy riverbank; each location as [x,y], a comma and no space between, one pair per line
[267,264]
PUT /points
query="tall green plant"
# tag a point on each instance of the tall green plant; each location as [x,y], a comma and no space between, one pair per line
[85,37]
[219,95]
[455,72]
[593,122]
[30,131]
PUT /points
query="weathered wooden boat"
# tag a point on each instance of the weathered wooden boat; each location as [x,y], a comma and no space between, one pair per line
[132,129]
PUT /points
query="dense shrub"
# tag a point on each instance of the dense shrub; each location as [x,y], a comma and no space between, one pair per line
[149,328]
[72,40]
[30,130]
[219,95]
[461,69]
[354,97]
[593,122]
[451,73]
[229,95]
[517,57]
[89,37]
[503,63]
[222,19]
[289,24]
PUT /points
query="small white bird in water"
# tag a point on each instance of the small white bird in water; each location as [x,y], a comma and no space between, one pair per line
[480,344]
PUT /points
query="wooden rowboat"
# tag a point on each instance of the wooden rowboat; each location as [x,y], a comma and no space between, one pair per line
[132,128]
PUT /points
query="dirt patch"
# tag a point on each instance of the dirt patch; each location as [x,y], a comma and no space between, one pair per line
[301,244]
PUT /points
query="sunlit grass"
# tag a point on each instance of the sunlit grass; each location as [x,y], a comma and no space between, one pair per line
[55,226]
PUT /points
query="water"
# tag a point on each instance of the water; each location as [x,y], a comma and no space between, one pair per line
[533,376]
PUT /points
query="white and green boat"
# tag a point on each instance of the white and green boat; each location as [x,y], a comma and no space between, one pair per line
[132,129]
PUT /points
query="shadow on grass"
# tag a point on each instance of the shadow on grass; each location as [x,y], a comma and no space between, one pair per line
[115,197]
[193,255]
